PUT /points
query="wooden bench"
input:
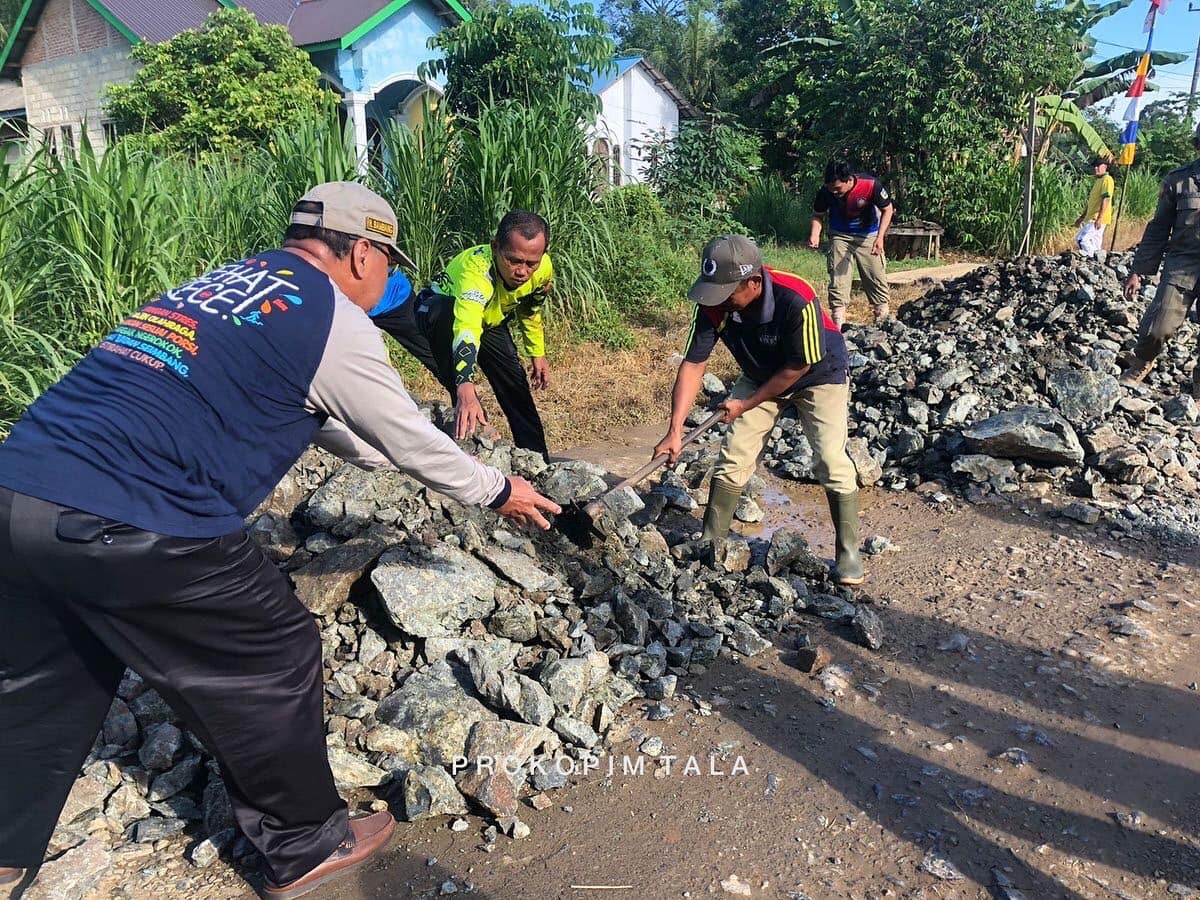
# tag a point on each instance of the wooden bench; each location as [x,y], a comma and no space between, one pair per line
[914,239]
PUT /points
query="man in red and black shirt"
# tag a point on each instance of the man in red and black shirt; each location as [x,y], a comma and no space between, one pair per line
[860,211]
[790,353]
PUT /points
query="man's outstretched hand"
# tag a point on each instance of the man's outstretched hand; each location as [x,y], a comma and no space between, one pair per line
[525,505]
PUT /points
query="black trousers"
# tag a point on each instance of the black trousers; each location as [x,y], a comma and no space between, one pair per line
[209,623]
[429,337]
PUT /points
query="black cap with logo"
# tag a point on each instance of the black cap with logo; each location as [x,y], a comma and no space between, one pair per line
[726,262]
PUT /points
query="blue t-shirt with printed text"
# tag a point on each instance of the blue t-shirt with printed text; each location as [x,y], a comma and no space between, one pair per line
[190,410]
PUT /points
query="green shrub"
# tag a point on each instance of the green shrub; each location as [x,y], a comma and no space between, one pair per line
[770,209]
[646,277]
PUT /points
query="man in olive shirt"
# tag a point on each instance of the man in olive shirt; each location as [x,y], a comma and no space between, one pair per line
[1172,240]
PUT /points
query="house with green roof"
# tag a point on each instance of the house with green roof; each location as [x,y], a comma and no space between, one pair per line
[65,53]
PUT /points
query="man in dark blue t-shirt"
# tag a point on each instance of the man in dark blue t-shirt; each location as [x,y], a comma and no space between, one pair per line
[791,354]
[860,211]
[123,492]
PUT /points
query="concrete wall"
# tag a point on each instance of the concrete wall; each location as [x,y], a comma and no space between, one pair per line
[390,52]
[70,60]
[634,109]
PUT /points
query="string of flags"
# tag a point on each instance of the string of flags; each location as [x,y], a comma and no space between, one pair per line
[1137,90]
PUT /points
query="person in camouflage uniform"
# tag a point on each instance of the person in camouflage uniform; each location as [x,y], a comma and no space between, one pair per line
[1172,241]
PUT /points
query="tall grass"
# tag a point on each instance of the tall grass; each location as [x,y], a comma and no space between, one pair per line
[1141,189]
[773,209]
[86,238]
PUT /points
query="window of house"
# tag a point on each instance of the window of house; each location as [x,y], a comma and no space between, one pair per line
[111,134]
[616,164]
[50,139]
[68,138]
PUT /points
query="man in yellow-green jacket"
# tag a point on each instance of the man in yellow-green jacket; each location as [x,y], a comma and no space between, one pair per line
[460,324]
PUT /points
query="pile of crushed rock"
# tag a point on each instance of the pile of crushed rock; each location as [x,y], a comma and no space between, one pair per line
[470,667]
[1006,380]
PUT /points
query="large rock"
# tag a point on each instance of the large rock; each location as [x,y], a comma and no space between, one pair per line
[520,569]
[509,691]
[126,805]
[433,592]
[513,742]
[430,791]
[350,771]
[490,788]
[434,706]
[1081,395]
[325,583]
[355,493]
[85,800]
[573,482]
[120,725]
[170,783]
[789,550]
[74,875]
[1026,432]
[162,743]
[869,470]
[517,623]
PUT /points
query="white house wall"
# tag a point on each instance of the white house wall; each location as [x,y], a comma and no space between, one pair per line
[634,109]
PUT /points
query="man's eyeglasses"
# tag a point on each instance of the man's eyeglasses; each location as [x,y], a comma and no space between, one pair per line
[393,262]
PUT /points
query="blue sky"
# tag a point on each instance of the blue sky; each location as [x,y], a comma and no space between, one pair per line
[1177,30]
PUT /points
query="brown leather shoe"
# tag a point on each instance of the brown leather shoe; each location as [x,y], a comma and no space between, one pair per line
[367,835]
[9,875]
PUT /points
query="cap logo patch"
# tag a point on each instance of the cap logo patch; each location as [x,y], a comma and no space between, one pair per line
[378,226]
[710,267]
[745,269]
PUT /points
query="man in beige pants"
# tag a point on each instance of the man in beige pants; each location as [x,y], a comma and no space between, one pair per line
[790,353]
[860,213]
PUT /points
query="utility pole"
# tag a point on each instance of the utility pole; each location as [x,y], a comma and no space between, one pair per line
[1191,106]
[1031,156]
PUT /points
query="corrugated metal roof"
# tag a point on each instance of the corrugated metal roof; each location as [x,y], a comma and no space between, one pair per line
[271,12]
[154,21]
[318,21]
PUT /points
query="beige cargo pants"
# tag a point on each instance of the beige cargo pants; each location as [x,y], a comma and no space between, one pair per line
[846,250]
[824,412]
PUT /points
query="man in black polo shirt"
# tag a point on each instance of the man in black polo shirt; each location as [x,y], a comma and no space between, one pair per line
[790,353]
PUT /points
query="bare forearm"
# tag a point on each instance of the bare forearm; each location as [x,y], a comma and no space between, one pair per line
[885,221]
[776,385]
[687,385]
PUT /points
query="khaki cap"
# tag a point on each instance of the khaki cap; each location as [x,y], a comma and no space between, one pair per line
[352,209]
[726,262]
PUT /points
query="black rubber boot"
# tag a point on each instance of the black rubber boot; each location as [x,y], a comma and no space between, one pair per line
[843,509]
[723,499]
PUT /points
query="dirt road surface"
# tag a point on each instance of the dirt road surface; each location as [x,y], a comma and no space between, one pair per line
[1003,741]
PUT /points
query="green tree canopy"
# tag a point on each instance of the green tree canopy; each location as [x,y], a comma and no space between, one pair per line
[908,87]
[679,36]
[225,86]
[520,52]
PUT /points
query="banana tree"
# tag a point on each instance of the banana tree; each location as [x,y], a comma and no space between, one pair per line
[1054,111]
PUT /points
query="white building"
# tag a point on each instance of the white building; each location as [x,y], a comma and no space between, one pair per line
[638,104]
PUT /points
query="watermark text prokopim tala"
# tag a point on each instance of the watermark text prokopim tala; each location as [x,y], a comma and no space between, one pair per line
[711,766]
